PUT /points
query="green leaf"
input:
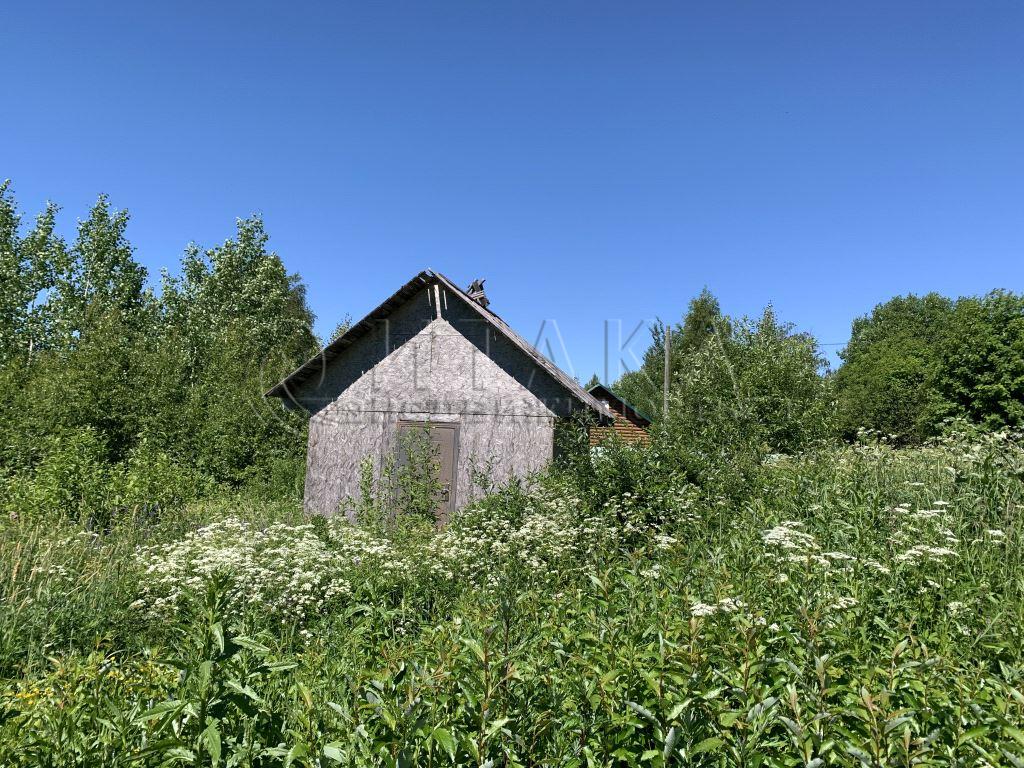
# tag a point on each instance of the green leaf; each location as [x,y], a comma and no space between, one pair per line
[334,752]
[708,745]
[973,733]
[793,727]
[497,725]
[476,648]
[645,713]
[896,722]
[728,719]
[243,641]
[210,739]
[1015,733]
[205,673]
[218,634]
[445,739]
[159,710]
[670,742]
[297,751]
[245,690]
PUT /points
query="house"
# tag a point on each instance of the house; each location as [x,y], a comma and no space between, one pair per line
[431,357]
[629,424]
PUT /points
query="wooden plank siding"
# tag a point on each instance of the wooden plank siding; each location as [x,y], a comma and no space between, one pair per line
[629,424]
[623,427]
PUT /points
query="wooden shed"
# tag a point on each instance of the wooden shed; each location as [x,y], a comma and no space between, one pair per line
[432,356]
[629,423]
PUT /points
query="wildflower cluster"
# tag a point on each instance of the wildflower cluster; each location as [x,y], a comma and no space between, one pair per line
[547,539]
[284,572]
[725,605]
[796,546]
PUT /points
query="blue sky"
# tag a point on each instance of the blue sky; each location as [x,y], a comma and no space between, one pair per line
[592,160]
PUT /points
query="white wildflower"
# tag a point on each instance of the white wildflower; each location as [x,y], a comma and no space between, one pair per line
[843,603]
[664,541]
[922,552]
[730,604]
[653,573]
[838,556]
[703,609]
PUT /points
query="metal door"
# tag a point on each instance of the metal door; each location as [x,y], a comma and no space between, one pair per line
[444,446]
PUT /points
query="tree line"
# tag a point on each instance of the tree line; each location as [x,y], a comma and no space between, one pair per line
[914,368]
[109,377]
[100,369]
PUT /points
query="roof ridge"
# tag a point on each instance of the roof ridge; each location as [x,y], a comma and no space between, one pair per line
[426,277]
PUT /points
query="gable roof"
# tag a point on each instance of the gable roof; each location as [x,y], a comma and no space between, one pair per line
[600,391]
[315,365]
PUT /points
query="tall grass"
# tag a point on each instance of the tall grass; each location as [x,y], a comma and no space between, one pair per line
[861,607]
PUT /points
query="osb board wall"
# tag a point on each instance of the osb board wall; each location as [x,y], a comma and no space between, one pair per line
[421,368]
[509,445]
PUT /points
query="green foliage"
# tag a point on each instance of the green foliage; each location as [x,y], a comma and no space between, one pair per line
[738,388]
[571,447]
[100,280]
[886,382]
[981,359]
[28,267]
[860,608]
[401,497]
[85,348]
[916,362]
[757,387]
[72,479]
[738,591]
[418,488]
[701,325]
[340,329]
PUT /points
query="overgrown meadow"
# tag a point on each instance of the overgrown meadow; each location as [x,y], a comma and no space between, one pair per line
[743,591]
[856,606]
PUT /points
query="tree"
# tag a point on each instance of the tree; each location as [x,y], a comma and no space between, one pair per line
[45,255]
[100,279]
[981,361]
[86,348]
[341,328]
[241,286]
[736,386]
[887,381]
[701,324]
[239,322]
[916,362]
[758,388]
[27,266]
[13,280]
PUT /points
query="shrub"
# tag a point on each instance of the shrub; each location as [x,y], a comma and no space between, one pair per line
[859,606]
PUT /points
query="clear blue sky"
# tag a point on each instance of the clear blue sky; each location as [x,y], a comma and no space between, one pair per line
[592,160]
